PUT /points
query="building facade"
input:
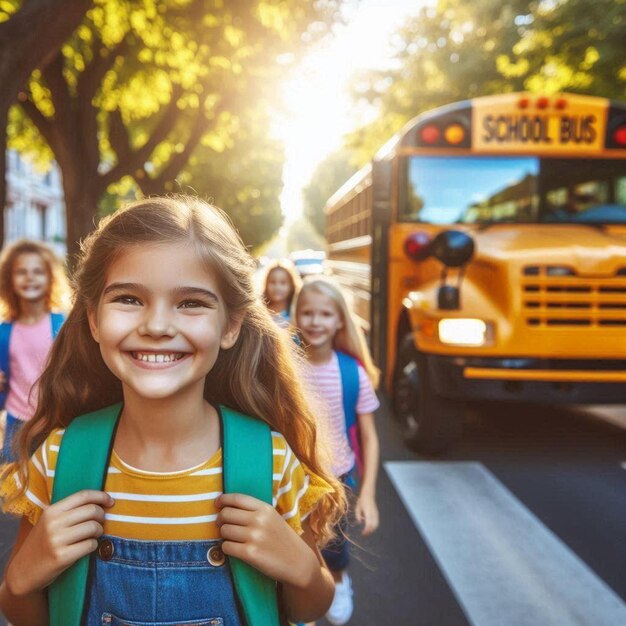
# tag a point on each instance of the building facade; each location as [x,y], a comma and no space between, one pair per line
[35,208]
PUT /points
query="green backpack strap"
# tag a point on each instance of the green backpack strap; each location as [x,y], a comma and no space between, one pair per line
[81,464]
[248,468]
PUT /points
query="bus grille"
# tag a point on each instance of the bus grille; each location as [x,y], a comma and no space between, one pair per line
[555,296]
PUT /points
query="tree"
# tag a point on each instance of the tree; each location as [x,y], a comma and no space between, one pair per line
[572,45]
[29,35]
[445,54]
[459,50]
[244,179]
[328,176]
[142,84]
[301,236]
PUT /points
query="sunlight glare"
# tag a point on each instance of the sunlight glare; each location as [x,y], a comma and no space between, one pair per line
[320,111]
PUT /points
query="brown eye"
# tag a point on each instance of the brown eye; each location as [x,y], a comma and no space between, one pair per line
[194,304]
[126,300]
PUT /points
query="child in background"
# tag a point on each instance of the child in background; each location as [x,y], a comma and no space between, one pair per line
[327,326]
[166,320]
[32,284]
[282,283]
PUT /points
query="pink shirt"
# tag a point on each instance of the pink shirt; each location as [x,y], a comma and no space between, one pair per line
[29,345]
[324,381]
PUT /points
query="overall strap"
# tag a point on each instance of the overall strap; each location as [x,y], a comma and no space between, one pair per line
[57,322]
[5,334]
[248,468]
[82,464]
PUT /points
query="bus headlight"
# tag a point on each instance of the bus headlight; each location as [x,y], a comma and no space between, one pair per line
[464,332]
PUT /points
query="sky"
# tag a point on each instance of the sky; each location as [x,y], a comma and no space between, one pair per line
[321,111]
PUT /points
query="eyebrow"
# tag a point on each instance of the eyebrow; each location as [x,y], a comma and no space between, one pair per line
[179,291]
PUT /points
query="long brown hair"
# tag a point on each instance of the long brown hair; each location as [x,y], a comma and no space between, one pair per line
[349,339]
[256,376]
[57,296]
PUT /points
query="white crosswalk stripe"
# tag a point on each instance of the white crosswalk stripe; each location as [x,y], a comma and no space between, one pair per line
[502,563]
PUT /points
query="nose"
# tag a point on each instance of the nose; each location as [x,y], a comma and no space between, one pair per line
[157,322]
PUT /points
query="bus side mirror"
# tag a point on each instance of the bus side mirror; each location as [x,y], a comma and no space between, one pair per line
[453,248]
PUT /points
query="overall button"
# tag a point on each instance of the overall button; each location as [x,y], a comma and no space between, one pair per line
[106,550]
[215,556]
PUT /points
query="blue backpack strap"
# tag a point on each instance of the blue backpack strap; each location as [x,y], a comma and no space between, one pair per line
[57,322]
[82,464]
[349,370]
[248,467]
[5,334]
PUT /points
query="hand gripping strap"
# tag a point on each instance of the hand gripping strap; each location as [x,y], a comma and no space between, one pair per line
[248,468]
[81,464]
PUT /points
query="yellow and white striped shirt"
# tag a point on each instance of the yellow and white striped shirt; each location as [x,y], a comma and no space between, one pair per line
[169,506]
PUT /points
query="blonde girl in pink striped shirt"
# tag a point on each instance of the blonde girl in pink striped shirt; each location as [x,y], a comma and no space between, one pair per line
[327,326]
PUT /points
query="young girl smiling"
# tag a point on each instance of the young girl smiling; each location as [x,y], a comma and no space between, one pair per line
[32,285]
[166,321]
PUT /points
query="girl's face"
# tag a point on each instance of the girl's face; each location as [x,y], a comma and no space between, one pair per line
[279,287]
[319,319]
[161,321]
[31,279]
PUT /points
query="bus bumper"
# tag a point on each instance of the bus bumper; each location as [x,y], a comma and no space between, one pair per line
[550,381]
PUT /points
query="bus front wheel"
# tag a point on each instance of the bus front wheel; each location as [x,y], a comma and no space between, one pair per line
[431,423]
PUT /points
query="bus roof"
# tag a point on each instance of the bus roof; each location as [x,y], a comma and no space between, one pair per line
[407,136]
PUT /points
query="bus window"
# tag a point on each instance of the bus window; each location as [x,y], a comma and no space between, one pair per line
[620,191]
[589,191]
[488,190]
[476,189]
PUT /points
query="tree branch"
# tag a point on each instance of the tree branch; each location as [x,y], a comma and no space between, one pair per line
[88,85]
[118,136]
[135,159]
[32,35]
[176,163]
[53,75]
[43,124]
[94,73]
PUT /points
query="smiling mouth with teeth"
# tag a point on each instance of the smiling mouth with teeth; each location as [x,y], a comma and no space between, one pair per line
[151,357]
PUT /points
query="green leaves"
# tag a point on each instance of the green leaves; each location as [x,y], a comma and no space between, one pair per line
[460,50]
[151,89]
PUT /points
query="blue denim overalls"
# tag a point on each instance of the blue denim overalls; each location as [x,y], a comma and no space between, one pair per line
[161,583]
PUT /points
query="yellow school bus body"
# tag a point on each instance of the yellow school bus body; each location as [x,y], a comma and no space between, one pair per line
[553,295]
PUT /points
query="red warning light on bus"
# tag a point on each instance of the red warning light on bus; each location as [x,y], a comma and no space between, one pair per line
[619,136]
[417,246]
[430,134]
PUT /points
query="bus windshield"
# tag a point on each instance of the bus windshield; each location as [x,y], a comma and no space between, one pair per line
[524,189]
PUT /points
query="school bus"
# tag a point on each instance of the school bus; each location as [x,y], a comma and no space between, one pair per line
[484,252]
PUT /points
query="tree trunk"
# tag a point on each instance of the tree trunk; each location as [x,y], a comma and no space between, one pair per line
[28,40]
[4,111]
[82,193]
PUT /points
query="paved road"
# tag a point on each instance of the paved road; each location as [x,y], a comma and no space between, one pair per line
[8,528]
[519,525]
